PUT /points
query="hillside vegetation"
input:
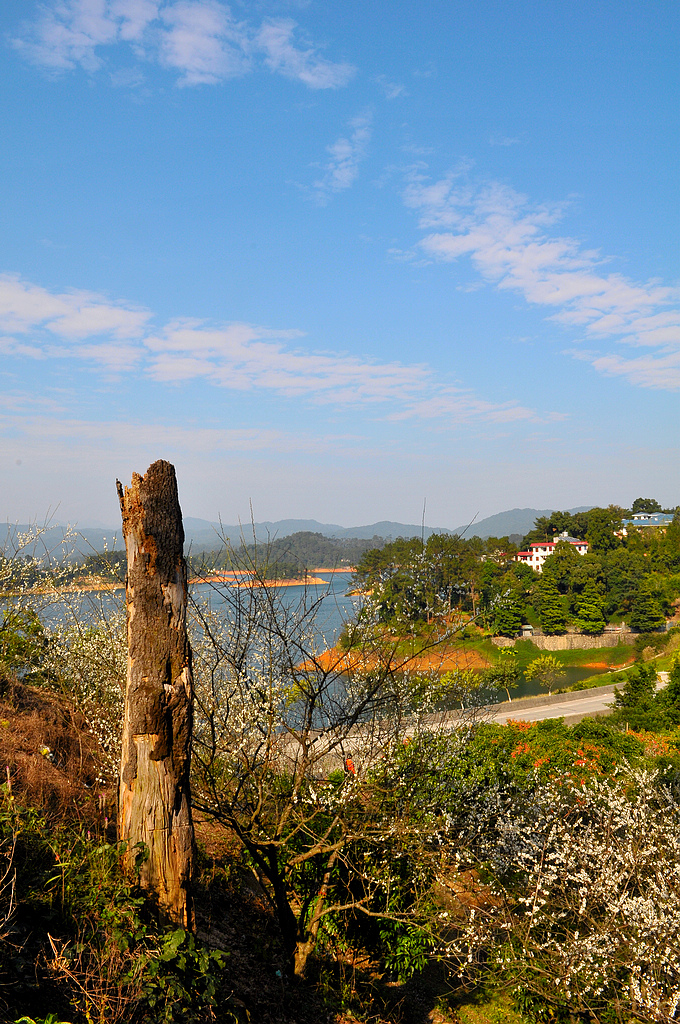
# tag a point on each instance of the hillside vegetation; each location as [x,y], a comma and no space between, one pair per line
[635,578]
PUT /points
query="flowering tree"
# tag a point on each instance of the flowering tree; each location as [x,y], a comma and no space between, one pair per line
[582,899]
[279,719]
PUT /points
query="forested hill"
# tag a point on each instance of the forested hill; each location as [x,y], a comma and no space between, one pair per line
[286,557]
[291,556]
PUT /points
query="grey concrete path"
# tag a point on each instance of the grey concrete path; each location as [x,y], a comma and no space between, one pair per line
[570,706]
[573,707]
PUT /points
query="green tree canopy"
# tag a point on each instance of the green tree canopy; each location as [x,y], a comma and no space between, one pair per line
[647,505]
[646,614]
[635,704]
[562,565]
[603,525]
[22,641]
[507,616]
[668,699]
[505,673]
[546,528]
[547,670]
[589,610]
[551,610]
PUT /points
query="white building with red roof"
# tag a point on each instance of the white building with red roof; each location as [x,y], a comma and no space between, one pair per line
[537,553]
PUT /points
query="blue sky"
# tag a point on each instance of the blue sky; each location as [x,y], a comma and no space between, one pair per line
[339,258]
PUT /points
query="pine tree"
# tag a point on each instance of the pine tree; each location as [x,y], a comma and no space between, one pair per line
[668,699]
[589,616]
[507,618]
[636,704]
[646,614]
[551,608]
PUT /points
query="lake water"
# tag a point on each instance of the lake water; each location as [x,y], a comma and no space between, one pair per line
[572,674]
[334,607]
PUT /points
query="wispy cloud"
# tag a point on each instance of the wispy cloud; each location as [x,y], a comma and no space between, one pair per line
[453,405]
[200,41]
[504,140]
[276,40]
[660,371]
[390,89]
[51,431]
[73,315]
[68,33]
[346,153]
[197,39]
[242,357]
[510,242]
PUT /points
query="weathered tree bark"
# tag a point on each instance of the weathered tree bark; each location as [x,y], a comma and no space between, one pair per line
[154,799]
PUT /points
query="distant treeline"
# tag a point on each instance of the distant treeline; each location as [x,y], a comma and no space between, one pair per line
[282,558]
[287,557]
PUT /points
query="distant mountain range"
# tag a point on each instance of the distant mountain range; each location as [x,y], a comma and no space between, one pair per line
[203,535]
[516,521]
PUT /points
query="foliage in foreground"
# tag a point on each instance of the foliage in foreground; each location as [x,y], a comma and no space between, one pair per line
[537,856]
[76,933]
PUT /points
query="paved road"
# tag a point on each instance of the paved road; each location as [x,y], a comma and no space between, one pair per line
[572,707]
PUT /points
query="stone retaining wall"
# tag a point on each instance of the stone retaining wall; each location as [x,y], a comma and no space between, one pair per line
[570,641]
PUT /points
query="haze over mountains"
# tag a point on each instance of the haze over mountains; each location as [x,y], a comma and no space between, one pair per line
[204,535]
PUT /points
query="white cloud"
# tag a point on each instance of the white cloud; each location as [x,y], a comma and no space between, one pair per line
[457,406]
[133,16]
[346,154]
[49,432]
[508,241]
[68,33]
[275,39]
[197,39]
[202,43]
[505,140]
[242,357]
[74,314]
[661,372]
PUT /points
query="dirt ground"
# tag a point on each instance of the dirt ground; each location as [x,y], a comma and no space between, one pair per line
[442,659]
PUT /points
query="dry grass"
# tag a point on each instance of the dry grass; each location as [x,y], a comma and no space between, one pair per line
[53,760]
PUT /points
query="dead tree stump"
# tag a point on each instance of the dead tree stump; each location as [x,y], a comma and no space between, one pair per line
[154,798]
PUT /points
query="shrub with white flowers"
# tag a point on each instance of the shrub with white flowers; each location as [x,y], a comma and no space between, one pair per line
[579,894]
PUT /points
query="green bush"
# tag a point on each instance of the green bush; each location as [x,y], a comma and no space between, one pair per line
[93,933]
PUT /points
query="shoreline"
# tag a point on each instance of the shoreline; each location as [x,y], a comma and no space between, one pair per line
[238,581]
[239,578]
[235,579]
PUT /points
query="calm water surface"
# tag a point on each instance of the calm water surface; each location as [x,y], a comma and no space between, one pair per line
[335,607]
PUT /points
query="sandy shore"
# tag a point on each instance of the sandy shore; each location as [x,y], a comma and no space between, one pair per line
[241,580]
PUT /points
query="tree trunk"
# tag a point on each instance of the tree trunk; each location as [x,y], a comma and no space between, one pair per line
[154,800]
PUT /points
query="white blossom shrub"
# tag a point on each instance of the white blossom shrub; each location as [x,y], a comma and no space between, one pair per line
[578,895]
[87,659]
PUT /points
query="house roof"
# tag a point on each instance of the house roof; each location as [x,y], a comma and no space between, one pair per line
[649,519]
[553,543]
